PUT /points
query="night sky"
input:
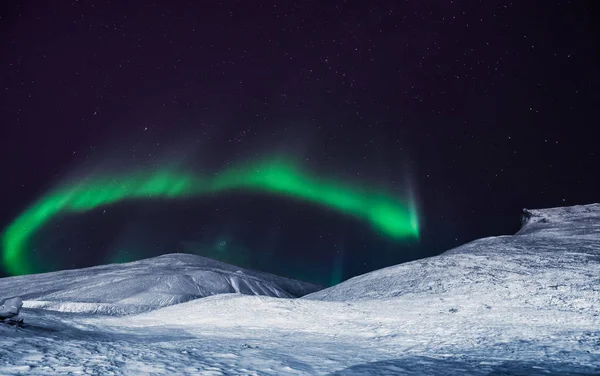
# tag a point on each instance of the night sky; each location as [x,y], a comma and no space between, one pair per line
[467,110]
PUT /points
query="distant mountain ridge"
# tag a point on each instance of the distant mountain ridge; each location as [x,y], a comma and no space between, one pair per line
[144,285]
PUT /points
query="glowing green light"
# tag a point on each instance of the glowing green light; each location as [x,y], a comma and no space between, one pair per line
[273,176]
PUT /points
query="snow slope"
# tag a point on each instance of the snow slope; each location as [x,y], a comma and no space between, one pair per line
[552,263]
[143,285]
[512,305]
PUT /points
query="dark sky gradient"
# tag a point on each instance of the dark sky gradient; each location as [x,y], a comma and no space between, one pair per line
[482,107]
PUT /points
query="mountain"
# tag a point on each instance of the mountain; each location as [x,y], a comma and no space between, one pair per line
[143,285]
[553,262]
[524,304]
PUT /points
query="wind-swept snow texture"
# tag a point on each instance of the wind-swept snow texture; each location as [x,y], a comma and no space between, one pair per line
[143,285]
[511,305]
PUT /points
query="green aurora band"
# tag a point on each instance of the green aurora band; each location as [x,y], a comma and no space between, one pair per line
[273,176]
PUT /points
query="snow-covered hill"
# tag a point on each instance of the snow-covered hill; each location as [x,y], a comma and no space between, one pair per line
[143,285]
[526,304]
[552,263]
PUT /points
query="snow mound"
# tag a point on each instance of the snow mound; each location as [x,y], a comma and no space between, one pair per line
[144,285]
[553,262]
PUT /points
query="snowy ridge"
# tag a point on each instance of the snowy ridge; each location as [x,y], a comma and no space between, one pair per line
[582,221]
[143,285]
[553,262]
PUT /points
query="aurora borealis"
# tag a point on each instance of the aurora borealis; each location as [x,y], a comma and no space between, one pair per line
[275,176]
[138,130]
